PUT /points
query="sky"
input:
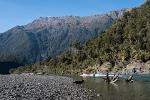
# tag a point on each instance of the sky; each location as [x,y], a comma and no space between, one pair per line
[21,12]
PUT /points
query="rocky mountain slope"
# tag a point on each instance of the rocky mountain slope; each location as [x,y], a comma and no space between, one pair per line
[126,41]
[49,36]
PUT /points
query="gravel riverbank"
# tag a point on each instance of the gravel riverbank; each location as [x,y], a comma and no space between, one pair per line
[36,87]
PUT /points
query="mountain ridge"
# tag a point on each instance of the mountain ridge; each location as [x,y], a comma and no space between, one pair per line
[126,43]
[50,36]
[49,25]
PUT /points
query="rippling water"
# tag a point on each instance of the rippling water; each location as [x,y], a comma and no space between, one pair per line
[138,90]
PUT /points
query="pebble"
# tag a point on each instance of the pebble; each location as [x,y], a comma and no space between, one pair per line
[98,95]
[38,87]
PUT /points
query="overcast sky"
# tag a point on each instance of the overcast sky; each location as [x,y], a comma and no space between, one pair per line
[20,12]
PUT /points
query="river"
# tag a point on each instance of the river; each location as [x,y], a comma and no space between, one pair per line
[138,90]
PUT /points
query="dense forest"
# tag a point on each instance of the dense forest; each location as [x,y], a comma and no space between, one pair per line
[128,39]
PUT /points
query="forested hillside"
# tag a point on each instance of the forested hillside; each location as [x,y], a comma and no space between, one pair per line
[128,39]
[50,36]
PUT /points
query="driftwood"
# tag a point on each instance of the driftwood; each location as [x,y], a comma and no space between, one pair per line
[130,79]
[113,80]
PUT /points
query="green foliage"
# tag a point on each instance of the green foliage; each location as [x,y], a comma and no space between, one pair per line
[128,39]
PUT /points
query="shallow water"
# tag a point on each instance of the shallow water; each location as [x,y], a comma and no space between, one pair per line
[138,90]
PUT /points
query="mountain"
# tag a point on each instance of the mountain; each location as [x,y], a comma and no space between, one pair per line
[50,36]
[126,41]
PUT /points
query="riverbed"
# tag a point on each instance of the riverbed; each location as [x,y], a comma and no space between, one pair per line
[40,87]
[44,87]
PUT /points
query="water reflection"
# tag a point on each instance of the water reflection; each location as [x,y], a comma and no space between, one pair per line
[138,90]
